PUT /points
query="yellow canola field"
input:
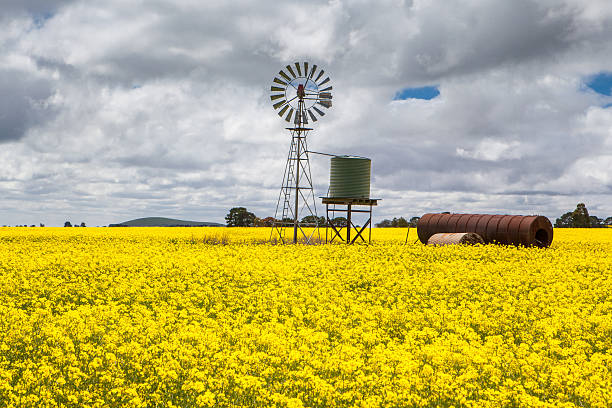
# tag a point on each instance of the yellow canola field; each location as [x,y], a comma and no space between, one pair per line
[197,317]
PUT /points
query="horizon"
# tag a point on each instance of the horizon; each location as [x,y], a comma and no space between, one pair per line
[223,223]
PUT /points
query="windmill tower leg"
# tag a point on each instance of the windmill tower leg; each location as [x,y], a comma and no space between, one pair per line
[296,199]
[297,191]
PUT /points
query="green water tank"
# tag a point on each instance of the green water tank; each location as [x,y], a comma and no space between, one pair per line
[349,177]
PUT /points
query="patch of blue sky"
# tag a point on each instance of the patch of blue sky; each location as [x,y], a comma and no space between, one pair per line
[425,92]
[600,83]
[39,19]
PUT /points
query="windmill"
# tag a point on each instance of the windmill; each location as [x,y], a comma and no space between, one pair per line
[298,93]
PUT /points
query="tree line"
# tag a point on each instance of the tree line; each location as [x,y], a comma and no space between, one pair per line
[241,217]
[400,222]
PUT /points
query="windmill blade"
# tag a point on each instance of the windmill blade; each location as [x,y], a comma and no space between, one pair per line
[279,104]
[324,82]
[282,111]
[296,119]
[325,95]
[299,70]
[312,71]
[305,69]
[282,73]
[288,118]
[273,97]
[290,70]
[319,111]
[277,89]
[320,75]
[278,81]
[327,103]
[329,88]
[312,116]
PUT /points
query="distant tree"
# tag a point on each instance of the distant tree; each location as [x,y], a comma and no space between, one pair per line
[384,224]
[268,221]
[596,222]
[401,222]
[565,221]
[286,221]
[339,222]
[82,224]
[240,217]
[32,225]
[67,224]
[413,221]
[312,219]
[580,217]
[608,221]
[41,225]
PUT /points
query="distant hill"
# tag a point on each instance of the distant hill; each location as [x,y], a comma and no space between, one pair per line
[164,222]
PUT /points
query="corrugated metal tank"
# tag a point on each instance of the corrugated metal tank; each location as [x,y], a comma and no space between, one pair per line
[532,230]
[349,177]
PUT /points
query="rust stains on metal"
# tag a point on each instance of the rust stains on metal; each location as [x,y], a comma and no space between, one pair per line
[532,230]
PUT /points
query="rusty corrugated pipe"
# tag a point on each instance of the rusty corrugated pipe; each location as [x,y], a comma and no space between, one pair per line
[454,238]
[531,230]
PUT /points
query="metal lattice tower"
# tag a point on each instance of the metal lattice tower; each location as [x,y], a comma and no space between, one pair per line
[297,93]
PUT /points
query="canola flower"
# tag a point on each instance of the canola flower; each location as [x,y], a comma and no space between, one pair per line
[214,317]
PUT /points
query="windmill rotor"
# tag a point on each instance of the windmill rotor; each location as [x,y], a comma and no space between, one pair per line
[298,88]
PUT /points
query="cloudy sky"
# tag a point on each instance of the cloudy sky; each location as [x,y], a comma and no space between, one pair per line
[117,110]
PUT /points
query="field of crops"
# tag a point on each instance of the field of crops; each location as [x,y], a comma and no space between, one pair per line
[167,317]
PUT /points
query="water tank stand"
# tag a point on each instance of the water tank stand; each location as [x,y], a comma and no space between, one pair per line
[345,205]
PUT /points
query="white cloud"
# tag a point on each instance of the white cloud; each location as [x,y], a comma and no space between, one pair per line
[119,109]
[492,150]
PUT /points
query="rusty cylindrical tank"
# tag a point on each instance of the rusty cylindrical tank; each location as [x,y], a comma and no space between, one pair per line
[531,230]
[454,238]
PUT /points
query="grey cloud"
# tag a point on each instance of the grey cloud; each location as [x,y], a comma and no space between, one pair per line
[67,71]
[140,195]
[23,104]
[161,161]
[33,6]
[466,39]
[438,41]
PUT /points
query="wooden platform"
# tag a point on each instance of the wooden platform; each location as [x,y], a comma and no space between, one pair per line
[351,201]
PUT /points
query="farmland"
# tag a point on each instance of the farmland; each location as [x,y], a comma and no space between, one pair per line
[163,317]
